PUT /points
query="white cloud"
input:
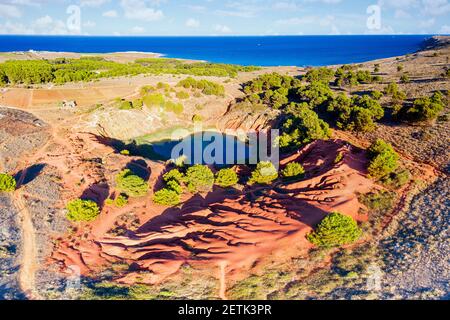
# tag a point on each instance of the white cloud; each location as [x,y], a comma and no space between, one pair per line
[89,24]
[222,28]
[137,30]
[436,7]
[281,5]
[92,3]
[427,23]
[445,29]
[138,10]
[9,11]
[110,14]
[192,23]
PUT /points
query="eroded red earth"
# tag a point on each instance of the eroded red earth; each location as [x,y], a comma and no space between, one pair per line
[235,229]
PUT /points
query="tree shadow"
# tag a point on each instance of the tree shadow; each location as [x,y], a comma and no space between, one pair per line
[98,192]
[27,175]
[139,168]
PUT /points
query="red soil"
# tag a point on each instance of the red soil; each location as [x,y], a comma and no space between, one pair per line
[238,229]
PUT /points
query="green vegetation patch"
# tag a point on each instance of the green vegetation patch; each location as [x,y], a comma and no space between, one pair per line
[7,183]
[226,178]
[302,126]
[62,70]
[383,159]
[265,173]
[293,171]
[199,178]
[131,184]
[82,210]
[205,86]
[335,230]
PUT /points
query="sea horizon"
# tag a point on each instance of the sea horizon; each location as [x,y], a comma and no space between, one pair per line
[260,50]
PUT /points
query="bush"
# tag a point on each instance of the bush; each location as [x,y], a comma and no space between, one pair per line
[302,126]
[138,104]
[226,178]
[131,184]
[397,179]
[82,210]
[167,197]
[405,78]
[378,201]
[356,113]
[175,186]
[126,105]
[154,100]
[182,95]
[265,173]
[293,170]
[321,74]
[199,178]
[120,202]
[206,87]
[423,109]
[334,231]
[7,183]
[383,159]
[316,94]
[197,118]
[174,175]
[377,95]
[176,108]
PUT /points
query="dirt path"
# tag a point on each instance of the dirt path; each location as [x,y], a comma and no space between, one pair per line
[223,283]
[28,265]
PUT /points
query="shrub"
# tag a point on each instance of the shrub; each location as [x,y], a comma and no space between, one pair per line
[405,78]
[397,179]
[125,152]
[378,201]
[138,104]
[293,170]
[120,202]
[339,157]
[335,230]
[316,94]
[356,113]
[174,175]
[182,95]
[302,126]
[400,68]
[7,183]
[175,186]
[154,100]
[167,197]
[377,95]
[321,74]
[197,118]
[131,184]
[199,178]
[226,178]
[207,87]
[265,173]
[176,108]
[82,210]
[423,109]
[383,159]
[126,105]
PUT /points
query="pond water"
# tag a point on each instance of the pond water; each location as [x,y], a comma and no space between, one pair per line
[207,147]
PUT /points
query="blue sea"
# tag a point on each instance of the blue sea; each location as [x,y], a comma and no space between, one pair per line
[245,50]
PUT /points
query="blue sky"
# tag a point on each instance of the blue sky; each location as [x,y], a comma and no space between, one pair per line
[224,17]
